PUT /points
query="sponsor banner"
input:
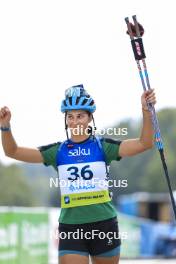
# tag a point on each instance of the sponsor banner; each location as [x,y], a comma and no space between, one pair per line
[54,234]
[23,236]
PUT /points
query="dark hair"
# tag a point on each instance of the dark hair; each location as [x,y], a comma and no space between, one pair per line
[89,113]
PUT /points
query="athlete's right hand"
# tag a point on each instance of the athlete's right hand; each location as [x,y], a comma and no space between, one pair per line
[5,116]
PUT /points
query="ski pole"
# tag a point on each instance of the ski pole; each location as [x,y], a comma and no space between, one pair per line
[135,32]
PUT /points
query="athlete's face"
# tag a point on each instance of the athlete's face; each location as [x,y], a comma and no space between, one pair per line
[78,118]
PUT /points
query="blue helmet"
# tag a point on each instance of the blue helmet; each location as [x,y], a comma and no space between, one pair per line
[76,98]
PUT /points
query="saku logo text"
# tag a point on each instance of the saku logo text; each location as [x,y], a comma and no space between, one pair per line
[79,152]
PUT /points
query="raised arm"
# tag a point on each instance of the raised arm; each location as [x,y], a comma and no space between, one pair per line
[11,149]
[135,146]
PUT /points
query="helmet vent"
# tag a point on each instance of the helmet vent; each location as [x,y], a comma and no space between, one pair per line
[92,103]
[84,101]
[70,100]
[77,100]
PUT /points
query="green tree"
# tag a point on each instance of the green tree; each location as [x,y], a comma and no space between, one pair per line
[14,188]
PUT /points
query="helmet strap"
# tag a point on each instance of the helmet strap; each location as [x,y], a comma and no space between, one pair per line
[94,126]
[94,123]
[66,126]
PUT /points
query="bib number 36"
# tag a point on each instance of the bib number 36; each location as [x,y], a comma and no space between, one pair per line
[85,173]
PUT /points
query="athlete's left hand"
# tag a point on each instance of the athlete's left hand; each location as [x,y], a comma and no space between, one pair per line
[148,97]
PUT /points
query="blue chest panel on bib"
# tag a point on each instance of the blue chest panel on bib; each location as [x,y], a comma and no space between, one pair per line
[74,153]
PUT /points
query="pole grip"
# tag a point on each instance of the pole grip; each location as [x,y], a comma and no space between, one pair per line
[138,49]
